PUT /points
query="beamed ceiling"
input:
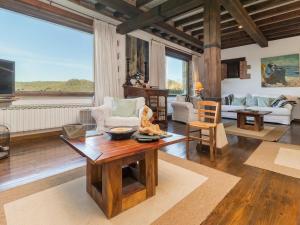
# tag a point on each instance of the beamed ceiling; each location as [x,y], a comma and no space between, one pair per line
[181,21]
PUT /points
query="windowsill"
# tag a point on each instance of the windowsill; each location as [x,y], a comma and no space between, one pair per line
[53,94]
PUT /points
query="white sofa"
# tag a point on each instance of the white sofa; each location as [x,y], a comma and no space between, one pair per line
[279,115]
[183,111]
[104,119]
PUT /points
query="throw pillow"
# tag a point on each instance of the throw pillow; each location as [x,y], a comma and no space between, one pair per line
[282,103]
[124,108]
[264,101]
[238,101]
[278,100]
[227,100]
[251,100]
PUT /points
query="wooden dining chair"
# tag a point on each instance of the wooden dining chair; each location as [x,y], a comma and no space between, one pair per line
[208,115]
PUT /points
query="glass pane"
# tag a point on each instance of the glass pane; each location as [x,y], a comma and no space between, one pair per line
[48,57]
[177,74]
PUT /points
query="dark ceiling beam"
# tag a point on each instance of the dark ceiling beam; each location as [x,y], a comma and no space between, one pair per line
[140,3]
[254,10]
[237,11]
[199,16]
[157,14]
[132,11]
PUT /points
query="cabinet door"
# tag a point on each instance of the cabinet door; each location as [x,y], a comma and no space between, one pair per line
[243,70]
[223,71]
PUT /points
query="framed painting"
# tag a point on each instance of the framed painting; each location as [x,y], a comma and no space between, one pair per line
[280,71]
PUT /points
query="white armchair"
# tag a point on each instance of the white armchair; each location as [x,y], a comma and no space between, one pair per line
[183,111]
[104,118]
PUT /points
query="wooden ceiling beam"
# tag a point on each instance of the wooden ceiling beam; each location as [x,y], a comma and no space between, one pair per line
[258,11]
[237,11]
[140,3]
[157,14]
[132,11]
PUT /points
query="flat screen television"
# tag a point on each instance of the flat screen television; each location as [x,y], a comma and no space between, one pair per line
[7,78]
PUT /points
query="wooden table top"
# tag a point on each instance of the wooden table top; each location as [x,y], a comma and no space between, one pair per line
[100,149]
[248,112]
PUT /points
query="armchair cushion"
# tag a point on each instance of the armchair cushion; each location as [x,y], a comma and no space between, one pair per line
[124,108]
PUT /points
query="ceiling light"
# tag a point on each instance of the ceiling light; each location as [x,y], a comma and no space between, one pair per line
[240,26]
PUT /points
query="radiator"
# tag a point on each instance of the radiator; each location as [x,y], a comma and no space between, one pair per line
[39,117]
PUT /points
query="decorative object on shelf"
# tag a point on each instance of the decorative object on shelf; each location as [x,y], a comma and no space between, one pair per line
[4,141]
[138,79]
[280,71]
[121,133]
[147,127]
[74,131]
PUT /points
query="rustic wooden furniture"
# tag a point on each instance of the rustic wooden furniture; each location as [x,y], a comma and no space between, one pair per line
[207,120]
[156,99]
[258,117]
[120,174]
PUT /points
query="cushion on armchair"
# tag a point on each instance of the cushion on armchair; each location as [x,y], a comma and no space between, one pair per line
[124,107]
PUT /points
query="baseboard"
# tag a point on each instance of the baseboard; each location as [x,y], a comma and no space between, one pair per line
[29,136]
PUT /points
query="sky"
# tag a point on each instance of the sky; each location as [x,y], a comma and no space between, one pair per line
[44,51]
[174,69]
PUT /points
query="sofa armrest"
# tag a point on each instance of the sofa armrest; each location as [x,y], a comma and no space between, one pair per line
[100,114]
[289,107]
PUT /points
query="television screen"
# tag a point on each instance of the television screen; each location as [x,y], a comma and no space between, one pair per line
[7,77]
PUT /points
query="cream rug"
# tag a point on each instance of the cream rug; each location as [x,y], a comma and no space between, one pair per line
[186,194]
[277,157]
[270,133]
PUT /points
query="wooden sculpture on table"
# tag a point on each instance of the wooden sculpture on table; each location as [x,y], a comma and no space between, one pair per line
[147,127]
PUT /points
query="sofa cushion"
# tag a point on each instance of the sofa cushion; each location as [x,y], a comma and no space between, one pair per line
[239,101]
[275,111]
[264,101]
[115,121]
[226,108]
[251,100]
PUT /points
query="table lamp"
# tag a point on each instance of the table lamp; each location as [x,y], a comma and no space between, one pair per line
[198,88]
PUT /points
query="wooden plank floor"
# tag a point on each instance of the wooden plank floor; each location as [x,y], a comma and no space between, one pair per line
[261,197]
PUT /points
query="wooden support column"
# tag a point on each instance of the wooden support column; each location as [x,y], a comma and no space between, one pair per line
[212,50]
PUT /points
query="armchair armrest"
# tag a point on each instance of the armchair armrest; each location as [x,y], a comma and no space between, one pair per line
[183,111]
[182,105]
[100,114]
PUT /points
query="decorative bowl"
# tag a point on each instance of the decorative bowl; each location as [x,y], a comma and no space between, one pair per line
[121,133]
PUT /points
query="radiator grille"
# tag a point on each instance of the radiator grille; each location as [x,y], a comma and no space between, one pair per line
[38,117]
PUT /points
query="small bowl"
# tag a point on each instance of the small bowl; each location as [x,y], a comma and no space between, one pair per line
[121,133]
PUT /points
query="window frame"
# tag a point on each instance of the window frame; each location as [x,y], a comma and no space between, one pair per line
[59,16]
[170,52]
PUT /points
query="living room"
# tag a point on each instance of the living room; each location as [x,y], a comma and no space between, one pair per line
[149,112]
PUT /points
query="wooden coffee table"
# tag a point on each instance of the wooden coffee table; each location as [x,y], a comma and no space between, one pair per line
[120,174]
[258,117]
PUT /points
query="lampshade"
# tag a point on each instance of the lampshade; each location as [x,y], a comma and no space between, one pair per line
[198,86]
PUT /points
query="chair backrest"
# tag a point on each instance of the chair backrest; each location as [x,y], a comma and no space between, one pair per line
[208,111]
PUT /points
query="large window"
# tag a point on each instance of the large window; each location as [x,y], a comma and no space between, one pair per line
[49,58]
[177,75]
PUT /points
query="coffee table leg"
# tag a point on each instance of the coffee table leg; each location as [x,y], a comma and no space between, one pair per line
[156,166]
[112,188]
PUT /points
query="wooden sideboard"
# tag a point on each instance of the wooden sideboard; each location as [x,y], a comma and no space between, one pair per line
[156,99]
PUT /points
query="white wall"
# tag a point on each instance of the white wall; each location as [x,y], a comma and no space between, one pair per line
[253,54]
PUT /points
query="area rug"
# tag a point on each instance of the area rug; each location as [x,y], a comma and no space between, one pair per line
[270,133]
[187,193]
[277,157]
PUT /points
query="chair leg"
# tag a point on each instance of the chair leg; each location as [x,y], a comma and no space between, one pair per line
[215,140]
[187,147]
[211,145]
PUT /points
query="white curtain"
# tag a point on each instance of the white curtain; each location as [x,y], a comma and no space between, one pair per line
[196,65]
[109,61]
[157,68]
